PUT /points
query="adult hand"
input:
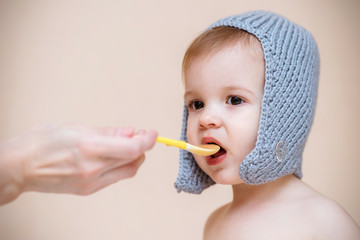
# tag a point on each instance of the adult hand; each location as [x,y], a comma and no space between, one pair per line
[70,158]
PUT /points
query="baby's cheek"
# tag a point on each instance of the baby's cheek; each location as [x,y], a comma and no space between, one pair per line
[245,140]
[197,160]
[189,135]
[200,162]
[191,132]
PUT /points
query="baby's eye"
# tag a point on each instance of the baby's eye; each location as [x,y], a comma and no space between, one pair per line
[196,105]
[234,100]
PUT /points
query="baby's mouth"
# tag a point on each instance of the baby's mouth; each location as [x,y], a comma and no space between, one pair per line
[218,157]
[221,152]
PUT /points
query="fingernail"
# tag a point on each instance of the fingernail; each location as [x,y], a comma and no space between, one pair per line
[140,132]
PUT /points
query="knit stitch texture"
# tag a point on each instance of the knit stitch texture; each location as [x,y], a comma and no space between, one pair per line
[288,105]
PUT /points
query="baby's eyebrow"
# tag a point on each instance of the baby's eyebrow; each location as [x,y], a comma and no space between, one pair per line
[188,94]
[233,88]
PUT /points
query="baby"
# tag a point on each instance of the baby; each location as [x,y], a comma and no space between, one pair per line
[250,87]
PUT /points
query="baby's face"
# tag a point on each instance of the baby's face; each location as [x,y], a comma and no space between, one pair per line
[223,93]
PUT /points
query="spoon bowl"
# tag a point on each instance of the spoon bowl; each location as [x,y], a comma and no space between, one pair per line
[202,150]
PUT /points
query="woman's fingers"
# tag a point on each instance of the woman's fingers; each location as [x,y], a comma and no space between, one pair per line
[113,175]
[116,132]
[127,149]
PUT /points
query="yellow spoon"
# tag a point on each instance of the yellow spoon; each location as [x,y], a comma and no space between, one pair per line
[202,150]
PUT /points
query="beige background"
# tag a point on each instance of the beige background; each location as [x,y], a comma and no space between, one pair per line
[118,63]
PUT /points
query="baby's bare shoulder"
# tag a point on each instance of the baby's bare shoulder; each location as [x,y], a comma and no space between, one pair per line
[328,219]
[299,214]
[311,215]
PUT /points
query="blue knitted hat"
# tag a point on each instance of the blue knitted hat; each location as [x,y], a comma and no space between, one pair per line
[288,105]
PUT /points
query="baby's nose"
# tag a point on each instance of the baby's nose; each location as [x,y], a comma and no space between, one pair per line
[210,119]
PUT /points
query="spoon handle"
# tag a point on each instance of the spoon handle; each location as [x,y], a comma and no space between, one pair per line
[172,142]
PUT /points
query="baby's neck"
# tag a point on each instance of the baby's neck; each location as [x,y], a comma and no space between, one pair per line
[245,193]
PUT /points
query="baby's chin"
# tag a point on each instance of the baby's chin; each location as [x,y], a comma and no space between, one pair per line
[224,177]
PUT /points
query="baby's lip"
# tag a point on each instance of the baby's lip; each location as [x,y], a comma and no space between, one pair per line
[210,140]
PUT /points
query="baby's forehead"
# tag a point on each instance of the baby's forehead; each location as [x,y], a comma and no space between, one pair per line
[219,38]
[228,68]
[253,56]
[253,49]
